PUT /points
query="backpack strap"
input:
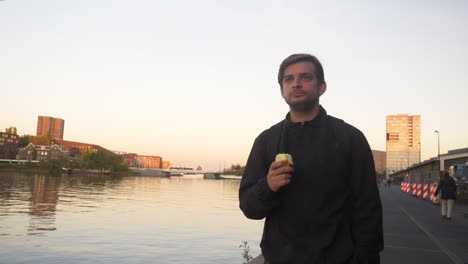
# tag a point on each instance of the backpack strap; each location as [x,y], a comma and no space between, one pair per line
[276,140]
[341,132]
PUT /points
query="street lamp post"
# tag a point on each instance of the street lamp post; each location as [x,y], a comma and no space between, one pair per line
[419,149]
[438,149]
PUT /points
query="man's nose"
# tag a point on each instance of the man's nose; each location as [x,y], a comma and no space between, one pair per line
[297,83]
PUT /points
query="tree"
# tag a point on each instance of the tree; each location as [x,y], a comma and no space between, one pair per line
[235,170]
[11,130]
[102,161]
[55,165]
[24,140]
[40,140]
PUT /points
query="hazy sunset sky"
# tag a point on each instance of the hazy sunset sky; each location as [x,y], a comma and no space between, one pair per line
[195,81]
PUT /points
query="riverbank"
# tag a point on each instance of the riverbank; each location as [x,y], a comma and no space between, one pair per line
[27,169]
[21,168]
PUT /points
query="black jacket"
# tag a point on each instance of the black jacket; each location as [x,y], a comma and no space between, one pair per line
[447,187]
[331,211]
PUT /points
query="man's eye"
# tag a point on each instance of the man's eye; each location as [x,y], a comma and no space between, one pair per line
[288,79]
[307,77]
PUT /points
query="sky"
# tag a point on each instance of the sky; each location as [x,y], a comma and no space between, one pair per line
[195,81]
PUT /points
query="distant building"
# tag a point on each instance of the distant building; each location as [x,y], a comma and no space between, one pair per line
[380,161]
[430,170]
[9,143]
[50,126]
[129,159]
[78,148]
[142,161]
[166,164]
[403,141]
[41,152]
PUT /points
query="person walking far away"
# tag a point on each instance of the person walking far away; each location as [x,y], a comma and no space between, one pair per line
[448,193]
[326,207]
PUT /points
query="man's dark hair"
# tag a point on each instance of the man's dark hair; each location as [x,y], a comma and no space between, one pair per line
[295,58]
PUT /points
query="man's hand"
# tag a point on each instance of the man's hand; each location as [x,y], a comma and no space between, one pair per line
[279,175]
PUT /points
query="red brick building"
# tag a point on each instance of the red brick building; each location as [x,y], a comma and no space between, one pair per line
[142,161]
[78,148]
[50,126]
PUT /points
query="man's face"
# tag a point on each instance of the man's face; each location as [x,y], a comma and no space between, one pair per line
[301,89]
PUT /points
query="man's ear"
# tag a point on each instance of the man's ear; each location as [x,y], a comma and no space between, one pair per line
[323,88]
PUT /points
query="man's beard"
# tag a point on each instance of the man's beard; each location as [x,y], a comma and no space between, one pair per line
[305,106]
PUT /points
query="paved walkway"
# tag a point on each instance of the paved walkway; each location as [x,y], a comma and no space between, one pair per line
[415,233]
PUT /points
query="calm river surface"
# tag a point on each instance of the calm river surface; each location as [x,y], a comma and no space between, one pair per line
[103,219]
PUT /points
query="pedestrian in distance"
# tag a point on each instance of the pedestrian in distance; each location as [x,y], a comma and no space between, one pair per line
[448,193]
[324,205]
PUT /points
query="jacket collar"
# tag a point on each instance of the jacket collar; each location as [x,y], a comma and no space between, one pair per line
[314,122]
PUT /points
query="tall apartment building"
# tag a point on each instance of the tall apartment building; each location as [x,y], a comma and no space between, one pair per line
[51,126]
[403,141]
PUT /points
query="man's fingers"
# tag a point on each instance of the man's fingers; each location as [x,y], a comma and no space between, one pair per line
[279,175]
[284,182]
[278,168]
[276,165]
[281,180]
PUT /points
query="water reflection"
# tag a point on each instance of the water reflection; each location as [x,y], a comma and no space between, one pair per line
[44,197]
[38,196]
[65,219]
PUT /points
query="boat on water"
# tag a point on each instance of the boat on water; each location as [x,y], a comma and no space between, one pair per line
[183,171]
[220,176]
[150,172]
[212,175]
[230,177]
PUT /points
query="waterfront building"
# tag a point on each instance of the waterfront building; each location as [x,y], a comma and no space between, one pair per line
[142,161]
[78,148]
[129,159]
[9,143]
[380,160]
[41,152]
[403,146]
[166,164]
[50,126]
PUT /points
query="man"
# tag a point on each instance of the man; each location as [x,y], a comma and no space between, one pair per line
[325,208]
[448,189]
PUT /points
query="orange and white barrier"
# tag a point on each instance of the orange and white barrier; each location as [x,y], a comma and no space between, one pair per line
[425,191]
[434,198]
[419,190]
[415,190]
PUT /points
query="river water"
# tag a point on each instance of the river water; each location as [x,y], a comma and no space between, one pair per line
[104,219]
